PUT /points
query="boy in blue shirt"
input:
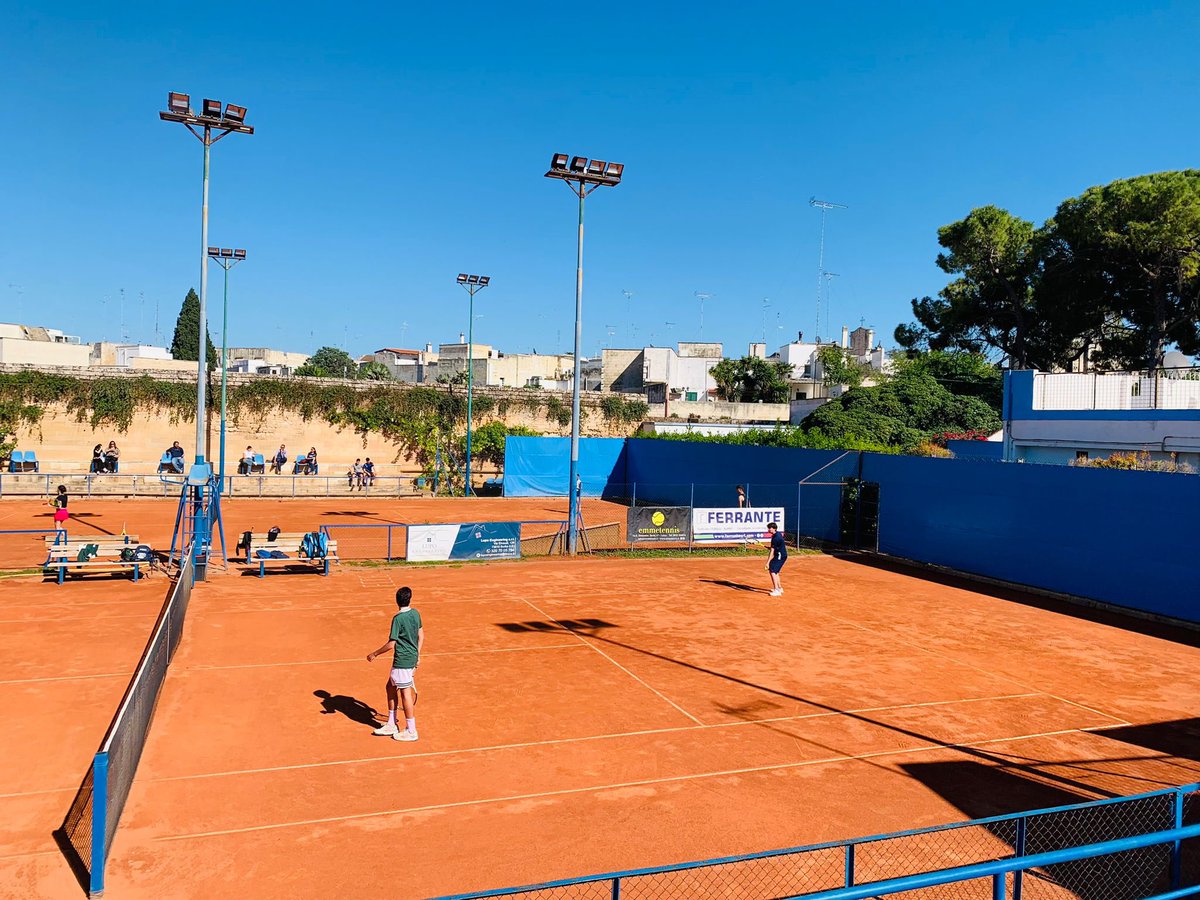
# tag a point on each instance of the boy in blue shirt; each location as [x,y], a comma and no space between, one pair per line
[776,558]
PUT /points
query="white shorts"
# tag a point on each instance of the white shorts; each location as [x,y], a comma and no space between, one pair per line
[403,678]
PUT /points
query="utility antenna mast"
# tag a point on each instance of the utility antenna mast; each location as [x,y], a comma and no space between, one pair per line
[824,206]
[702,296]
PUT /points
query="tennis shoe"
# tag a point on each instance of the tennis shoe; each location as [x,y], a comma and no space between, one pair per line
[404,735]
[386,729]
[776,593]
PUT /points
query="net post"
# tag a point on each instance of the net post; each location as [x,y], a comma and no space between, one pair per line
[99,824]
[1177,846]
[389,543]
[616,889]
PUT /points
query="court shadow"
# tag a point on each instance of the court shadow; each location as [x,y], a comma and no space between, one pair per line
[980,791]
[736,585]
[351,707]
[569,626]
[1179,738]
[361,513]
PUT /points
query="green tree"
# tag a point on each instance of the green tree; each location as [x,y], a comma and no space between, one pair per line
[374,371]
[13,415]
[902,412]
[838,366]
[750,380]
[185,344]
[962,373]
[487,441]
[329,362]
[1129,251]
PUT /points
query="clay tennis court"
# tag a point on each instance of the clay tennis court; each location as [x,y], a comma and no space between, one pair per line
[575,716]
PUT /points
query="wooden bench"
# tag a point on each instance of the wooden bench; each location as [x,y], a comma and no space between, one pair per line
[289,543]
[63,558]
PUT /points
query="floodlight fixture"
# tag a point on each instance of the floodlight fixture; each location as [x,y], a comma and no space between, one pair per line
[178,103]
[227,252]
[596,168]
[472,284]
[235,113]
[484,280]
[462,278]
[558,162]
[614,171]
[472,279]
[214,252]
[578,163]
[239,254]
[212,109]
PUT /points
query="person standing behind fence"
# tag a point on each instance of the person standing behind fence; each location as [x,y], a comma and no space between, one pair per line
[776,557]
[60,510]
[405,639]
[741,497]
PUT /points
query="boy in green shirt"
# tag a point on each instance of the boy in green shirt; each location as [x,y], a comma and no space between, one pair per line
[405,639]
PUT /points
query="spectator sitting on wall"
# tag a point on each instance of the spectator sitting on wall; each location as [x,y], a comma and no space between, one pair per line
[176,454]
[279,459]
[111,457]
[97,458]
[355,475]
[310,467]
[369,472]
[246,462]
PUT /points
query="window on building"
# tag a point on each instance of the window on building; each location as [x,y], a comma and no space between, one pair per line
[1081,456]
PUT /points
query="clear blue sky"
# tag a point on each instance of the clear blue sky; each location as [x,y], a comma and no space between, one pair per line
[398,145]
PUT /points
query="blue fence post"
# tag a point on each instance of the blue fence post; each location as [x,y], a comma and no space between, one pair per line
[998,886]
[99,823]
[799,489]
[389,547]
[616,889]
[1177,847]
[849,865]
[633,502]
[1018,876]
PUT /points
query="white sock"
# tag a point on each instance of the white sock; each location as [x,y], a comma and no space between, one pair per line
[391,717]
[412,725]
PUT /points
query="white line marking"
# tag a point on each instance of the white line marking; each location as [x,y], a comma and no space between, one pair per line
[592,644]
[350,659]
[615,786]
[588,738]
[69,678]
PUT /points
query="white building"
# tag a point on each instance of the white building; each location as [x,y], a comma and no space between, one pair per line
[35,346]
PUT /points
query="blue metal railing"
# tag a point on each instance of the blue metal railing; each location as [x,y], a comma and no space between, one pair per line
[997,869]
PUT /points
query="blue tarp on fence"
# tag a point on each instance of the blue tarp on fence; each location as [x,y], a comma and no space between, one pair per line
[1126,538]
[540,466]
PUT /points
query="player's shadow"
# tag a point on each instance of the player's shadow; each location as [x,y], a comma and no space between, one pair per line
[560,625]
[736,585]
[351,707]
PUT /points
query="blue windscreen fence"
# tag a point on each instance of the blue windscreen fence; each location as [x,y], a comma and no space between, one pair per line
[1120,537]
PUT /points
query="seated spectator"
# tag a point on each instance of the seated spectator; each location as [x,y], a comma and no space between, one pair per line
[369,472]
[355,475]
[176,454]
[279,459]
[97,459]
[311,464]
[246,462]
[112,456]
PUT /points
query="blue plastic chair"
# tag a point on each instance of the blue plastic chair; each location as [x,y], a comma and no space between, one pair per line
[31,457]
[299,464]
[165,464]
[16,462]
[258,465]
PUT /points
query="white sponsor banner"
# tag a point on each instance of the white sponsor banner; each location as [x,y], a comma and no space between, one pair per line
[431,543]
[734,525]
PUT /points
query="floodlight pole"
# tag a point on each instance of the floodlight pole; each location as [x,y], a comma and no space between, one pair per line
[470,288]
[226,263]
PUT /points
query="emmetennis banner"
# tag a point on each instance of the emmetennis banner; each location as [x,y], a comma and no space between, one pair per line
[716,526]
[658,523]
[469,540]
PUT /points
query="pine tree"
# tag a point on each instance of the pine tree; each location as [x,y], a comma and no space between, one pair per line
[186,344]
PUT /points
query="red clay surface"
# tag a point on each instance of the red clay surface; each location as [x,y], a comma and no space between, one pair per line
[575,716]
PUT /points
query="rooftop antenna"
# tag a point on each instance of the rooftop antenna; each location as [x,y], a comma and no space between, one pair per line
[824,206]
[403,332]
[766,302]
[829,276]
[158,338]
[124,330]
[702,296]
[141,314]
[629,313]
[611,329]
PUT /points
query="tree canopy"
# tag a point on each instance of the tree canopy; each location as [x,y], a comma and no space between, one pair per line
[185,344]
[1115,272]
[329,362]
[374,371]
[750,380]
[838,366]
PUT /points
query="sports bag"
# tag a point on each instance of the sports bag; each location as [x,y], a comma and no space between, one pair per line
[143,553]
[87,551]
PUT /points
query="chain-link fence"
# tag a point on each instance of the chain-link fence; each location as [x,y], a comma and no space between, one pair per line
[88,829]
[1089,861]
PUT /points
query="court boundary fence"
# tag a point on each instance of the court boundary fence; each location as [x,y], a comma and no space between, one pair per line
[1139,846]
[539,537]
[87,831]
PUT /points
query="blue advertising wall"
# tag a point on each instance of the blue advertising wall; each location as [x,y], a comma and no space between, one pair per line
[540,466]
[1126,538]
[993,450]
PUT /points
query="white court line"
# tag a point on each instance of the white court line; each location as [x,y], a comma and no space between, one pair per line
[624,784]
[592,644]
[43,622]
[347,659]
[68,677]
[587,738]
[899,640]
